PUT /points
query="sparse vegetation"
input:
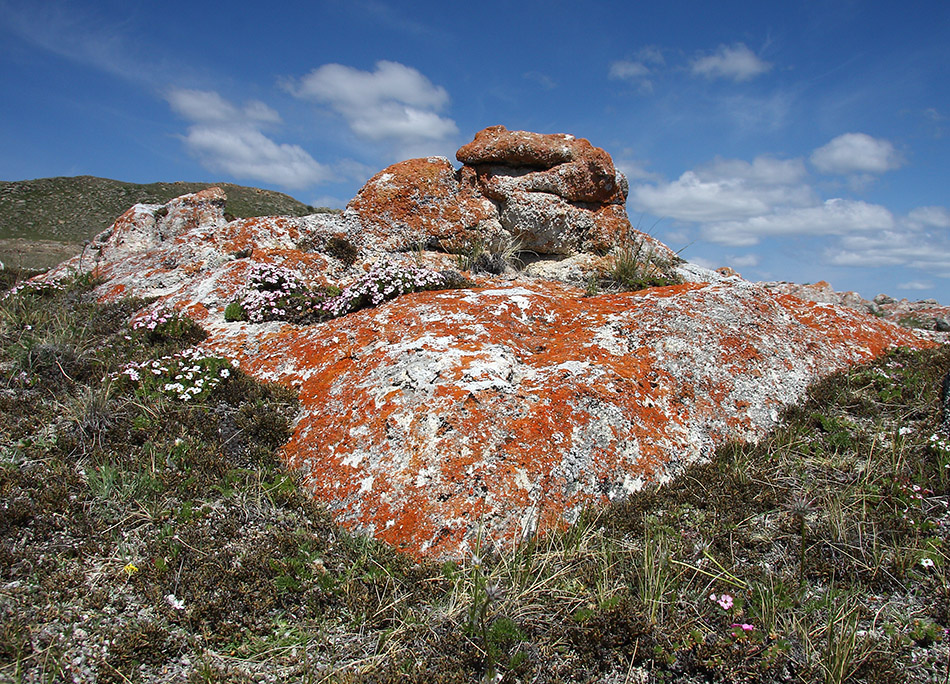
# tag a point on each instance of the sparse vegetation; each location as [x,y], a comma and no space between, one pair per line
[148,538]
[478,256]
[636,265]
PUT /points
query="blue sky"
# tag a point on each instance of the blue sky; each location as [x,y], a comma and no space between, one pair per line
[793,141]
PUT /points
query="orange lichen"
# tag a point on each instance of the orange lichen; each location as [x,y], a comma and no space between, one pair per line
[505,408]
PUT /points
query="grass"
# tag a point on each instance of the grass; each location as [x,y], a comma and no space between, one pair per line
[634,264]
[148,539]
[477,256]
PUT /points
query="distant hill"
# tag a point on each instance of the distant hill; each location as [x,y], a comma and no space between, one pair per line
[45,220]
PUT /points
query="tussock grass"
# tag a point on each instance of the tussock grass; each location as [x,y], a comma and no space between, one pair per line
[148,539]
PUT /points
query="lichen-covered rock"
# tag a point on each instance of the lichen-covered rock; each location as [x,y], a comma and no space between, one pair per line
[927,316]
[503,409]
[421,202]
[555,193]
[498,145]
[512,408]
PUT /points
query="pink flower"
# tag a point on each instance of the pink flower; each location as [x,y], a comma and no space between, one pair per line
[743,626]
[724,601]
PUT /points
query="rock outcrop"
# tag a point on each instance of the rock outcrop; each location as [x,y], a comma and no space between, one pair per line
[419,203]
[548,194]
[927,315]
[504,408]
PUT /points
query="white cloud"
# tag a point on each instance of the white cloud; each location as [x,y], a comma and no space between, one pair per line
[910,243]
[227,139]
[705,263]
[635,170]
[832,217]
[929,217]
[740,204]
[763,171]
[915,285]
[329,201]
[651,54]
[736,62]
[394,103]
[207,106]
[625,69]
[744,260]
[726,190]
[637,71]
[856,153]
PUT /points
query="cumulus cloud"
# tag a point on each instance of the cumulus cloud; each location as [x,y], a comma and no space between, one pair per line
[635,170]
[893,248]
[736,62]
[737,203]
[856,153]
[394,104]
[228,139]
[918,240]
[727,189]
[832,217]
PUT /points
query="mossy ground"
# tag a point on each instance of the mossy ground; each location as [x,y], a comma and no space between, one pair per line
[147,539]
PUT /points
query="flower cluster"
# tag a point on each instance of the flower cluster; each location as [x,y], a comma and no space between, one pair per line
[163,325]
[188,375]
[941,445]
[154,320]
[35,287]
[271,278]
[384,281]
[277,293]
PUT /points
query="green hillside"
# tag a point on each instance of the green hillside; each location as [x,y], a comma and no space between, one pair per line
[46,220]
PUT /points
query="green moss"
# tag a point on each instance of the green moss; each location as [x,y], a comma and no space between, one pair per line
[234,312]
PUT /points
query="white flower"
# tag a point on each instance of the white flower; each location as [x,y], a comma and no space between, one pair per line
[174,602]
[927,562]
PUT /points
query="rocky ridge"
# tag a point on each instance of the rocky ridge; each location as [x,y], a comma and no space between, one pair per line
[506,408]
[927,316]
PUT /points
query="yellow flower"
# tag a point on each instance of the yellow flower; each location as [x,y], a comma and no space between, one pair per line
[130,569]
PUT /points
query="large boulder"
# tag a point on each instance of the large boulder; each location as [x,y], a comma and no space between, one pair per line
[556,164]
[500,410]
[556,194]
[421,202]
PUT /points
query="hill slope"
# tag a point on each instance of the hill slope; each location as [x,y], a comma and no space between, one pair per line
[44,221]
